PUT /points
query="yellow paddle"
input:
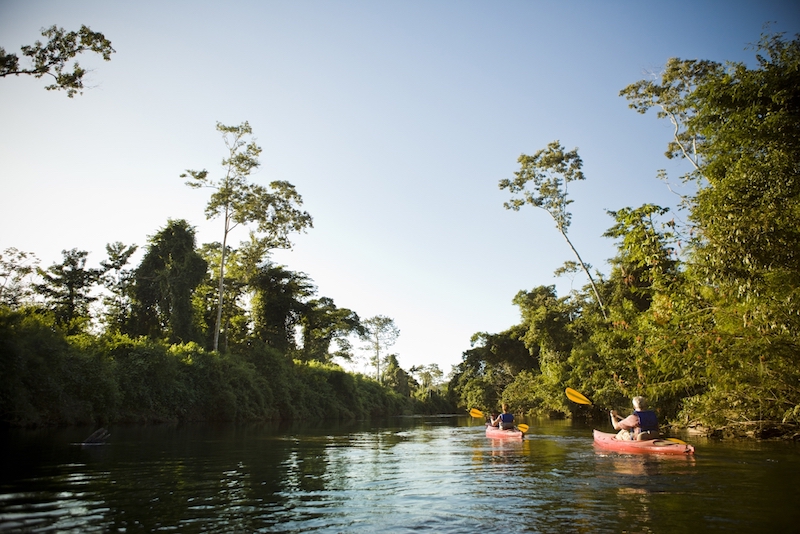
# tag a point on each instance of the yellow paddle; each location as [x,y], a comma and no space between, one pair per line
[579,398]
[479,414]
[574,396]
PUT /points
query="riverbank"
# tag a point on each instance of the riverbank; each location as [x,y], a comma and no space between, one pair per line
[757,430]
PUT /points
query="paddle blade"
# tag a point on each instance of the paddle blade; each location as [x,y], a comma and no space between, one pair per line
[524,428]
[476,413]
[574,396]
[676,440]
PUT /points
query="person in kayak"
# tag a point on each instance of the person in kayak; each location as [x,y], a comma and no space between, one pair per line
[642,424]
[504,421]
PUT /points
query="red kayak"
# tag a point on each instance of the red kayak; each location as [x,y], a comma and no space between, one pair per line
[495,433]
[608,441]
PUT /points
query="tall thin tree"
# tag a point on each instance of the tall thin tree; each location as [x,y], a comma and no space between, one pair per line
[550,170]
[273,209]
[380,333]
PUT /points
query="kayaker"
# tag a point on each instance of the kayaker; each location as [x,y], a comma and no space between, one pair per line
[505,420]
[642,424]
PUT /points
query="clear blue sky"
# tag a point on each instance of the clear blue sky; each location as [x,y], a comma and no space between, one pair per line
[394,119]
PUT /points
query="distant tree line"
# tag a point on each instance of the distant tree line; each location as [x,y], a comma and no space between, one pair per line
[194,332]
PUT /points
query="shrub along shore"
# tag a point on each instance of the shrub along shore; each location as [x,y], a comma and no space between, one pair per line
[53,379]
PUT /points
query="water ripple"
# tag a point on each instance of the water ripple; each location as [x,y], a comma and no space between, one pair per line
[412,477]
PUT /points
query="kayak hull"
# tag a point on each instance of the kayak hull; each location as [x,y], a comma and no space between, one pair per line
[607,441]
[495,433]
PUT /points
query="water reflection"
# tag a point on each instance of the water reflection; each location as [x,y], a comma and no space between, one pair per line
[437,474]
[508,449]
[648,490]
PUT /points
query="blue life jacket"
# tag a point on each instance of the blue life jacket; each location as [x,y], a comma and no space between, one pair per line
[647,420]
[506,421]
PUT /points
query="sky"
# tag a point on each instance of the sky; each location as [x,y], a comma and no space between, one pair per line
[395,120]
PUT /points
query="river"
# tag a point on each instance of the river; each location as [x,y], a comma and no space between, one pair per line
[430,474]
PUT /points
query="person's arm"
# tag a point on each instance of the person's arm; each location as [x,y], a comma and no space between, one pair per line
[615,419]
[628,423]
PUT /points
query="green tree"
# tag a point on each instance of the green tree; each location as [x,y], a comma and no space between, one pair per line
[749,238]
[547,320]
[641,290]
[273,209]
[279,303]
[490,366]
[396,378]
[542,182]
[748,213]
[551,330]
[379,333]
[672,98]
[323,323]
[428,376]
[239,272]
[67,289]
[16,267]
[647,260]
[506,349]
[53,57]
[119,282]
[164,283]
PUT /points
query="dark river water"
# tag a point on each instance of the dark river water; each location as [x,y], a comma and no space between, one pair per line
[431,474]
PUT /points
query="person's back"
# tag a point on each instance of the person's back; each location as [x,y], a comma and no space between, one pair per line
[506,419]
[648,424]
[642,424]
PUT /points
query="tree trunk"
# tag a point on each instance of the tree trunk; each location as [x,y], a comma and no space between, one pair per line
[588,274]
[221,286]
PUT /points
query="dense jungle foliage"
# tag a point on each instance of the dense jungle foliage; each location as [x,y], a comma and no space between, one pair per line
[701,310]
[51,377]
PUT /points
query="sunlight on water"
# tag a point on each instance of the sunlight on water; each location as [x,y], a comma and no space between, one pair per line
[405,475]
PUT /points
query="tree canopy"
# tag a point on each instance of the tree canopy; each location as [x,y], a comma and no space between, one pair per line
[67,289]
[165,280]
[53,57]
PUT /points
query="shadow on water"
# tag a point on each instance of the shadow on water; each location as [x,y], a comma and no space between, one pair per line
[439,474]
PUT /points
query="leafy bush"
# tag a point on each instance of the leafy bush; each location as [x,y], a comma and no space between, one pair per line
[52,378]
